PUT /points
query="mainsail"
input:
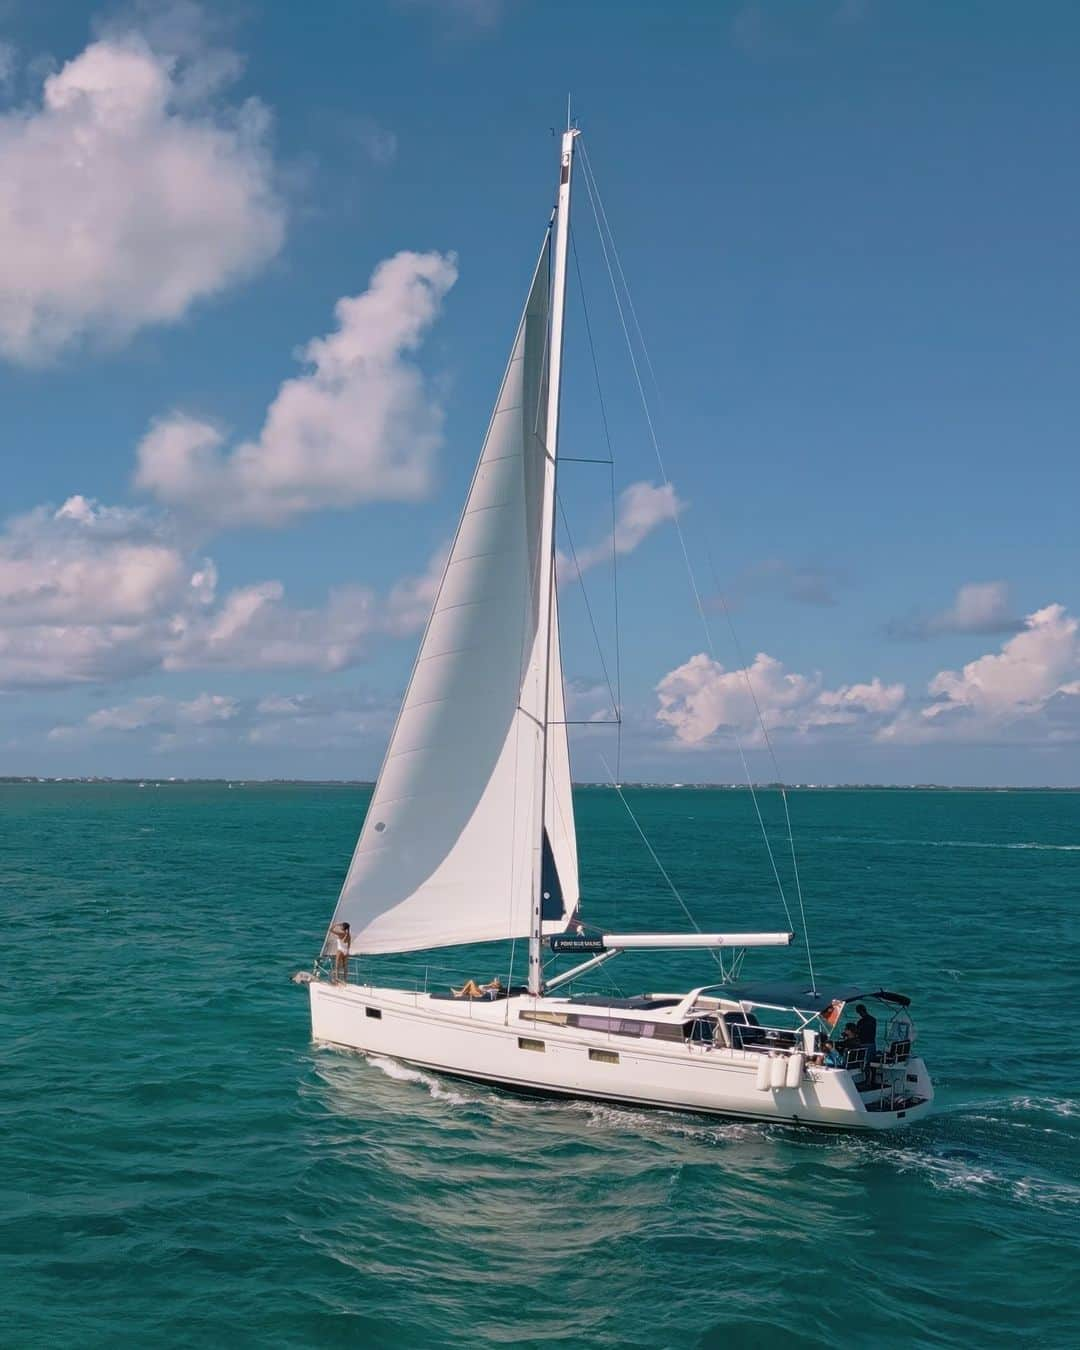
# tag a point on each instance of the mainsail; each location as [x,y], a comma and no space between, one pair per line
[448,850]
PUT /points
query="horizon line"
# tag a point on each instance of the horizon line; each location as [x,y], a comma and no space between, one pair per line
[771,784]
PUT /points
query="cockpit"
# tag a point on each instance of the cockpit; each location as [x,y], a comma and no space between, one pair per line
[864,1031]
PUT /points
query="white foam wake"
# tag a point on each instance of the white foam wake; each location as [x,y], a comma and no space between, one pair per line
[404,1074]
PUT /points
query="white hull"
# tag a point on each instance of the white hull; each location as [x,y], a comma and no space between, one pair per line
[493,1043]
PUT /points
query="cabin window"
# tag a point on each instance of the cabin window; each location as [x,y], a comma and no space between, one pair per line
[604,1056]
[372,1012]
[525,1043]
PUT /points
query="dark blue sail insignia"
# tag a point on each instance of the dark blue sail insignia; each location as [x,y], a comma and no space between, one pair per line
[551,901]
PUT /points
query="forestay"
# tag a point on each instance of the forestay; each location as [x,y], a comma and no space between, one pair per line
[448,848]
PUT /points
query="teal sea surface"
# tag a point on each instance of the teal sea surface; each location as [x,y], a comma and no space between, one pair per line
[180,1166]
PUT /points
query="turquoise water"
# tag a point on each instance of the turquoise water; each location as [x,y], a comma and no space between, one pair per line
[180,1167]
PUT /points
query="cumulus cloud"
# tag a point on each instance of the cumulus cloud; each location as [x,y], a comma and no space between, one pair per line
[91,592]
[87,564]
[410,600]
[152,712]
[1025,689]
[642,508]
[324,720]
[590,699]
[701,697]
[254,628]
[360,425]
[1027,692]
[129,194]
[86,592]
[980,607]
[328,720]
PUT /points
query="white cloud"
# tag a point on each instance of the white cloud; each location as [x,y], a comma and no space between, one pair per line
[86,592]
[329,720]
[1025,690]
[254,629]
[172,721]
[128,196]
[89,565]
[91,592]
[980,607]
[360,425]
[326,720]
[157,711]
[641,509]
[410,600]
[1028,692]
[1029,668]
[700,698]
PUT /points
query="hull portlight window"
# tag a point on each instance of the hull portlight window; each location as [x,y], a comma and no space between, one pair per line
[527,1043]
[604,1056]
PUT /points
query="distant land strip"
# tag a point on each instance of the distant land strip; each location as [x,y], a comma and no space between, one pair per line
[151,780]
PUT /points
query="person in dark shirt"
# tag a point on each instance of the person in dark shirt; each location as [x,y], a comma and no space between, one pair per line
[866,1027]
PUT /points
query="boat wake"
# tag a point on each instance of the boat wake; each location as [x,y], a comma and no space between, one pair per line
[956,843]
[989,1146]
[1001,1146]
[402,1073]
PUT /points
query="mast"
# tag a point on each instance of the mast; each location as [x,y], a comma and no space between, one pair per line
[546,597]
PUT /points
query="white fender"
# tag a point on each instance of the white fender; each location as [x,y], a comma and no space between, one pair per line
[794,1069]
[761,1080]
[777,1071]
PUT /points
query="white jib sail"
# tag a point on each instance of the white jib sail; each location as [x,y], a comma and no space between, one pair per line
[447,851]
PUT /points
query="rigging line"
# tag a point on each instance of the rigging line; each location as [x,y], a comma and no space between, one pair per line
[622,274]
[618,654]
[588,607]
[587,177]
[652,854]
[534,574]
[776,767]
[509,981]
[592,347]
[591,173]
[611,462]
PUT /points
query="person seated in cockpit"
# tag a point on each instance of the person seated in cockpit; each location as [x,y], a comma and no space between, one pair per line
[830,1056]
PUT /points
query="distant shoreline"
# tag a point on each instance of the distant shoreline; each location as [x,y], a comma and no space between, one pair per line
[150,781]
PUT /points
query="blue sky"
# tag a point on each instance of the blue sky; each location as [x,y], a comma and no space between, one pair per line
[850,229]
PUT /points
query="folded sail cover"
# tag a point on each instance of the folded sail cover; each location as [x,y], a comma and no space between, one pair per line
[450,845]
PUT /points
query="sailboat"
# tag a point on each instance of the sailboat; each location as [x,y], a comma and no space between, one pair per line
[470,838]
